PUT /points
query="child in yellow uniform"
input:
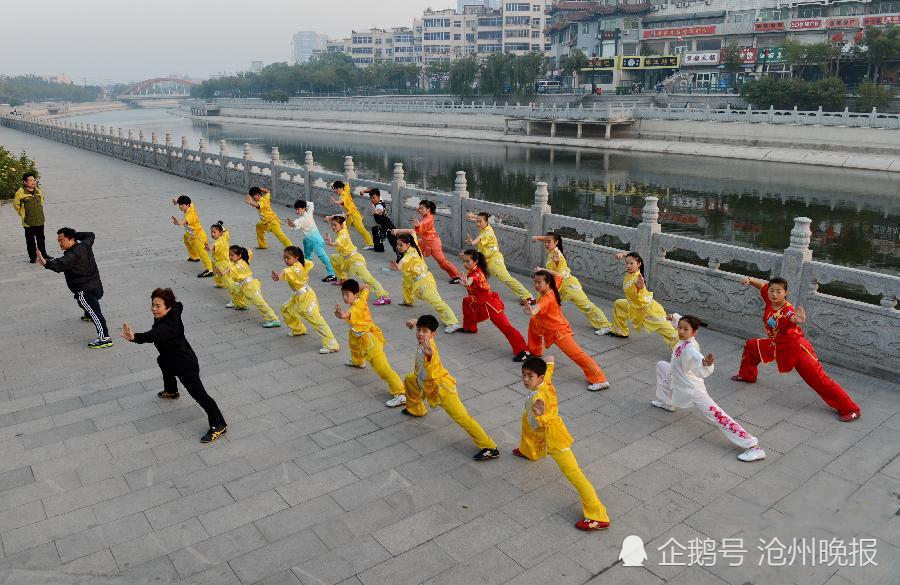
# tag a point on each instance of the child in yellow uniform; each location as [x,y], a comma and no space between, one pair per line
[367,340]
[348,261]
[545,433]
[638,305]
[419,283]
[489,246]
[244,288]
[261,199]
[219,249]
[432,382]
[194,234]
[303,304]
[351,212]
[568,284]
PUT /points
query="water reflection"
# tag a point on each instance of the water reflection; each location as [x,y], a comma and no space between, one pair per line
[856,215]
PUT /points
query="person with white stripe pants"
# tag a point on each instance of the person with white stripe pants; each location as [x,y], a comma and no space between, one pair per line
[82,277]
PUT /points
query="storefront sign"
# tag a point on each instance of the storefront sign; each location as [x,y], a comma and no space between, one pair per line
[842,23]
[609,35]
[771,55]
[685,31]
[701,58]
[748,55]
[806,24]
[879,20]
[598,64]
[655,62]
[773,26]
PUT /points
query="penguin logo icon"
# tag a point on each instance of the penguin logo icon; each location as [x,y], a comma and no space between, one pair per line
[633,553]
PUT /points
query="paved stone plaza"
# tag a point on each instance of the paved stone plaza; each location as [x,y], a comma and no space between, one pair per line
[317,482]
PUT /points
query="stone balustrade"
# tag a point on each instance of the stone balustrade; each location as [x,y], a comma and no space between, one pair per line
[861,336]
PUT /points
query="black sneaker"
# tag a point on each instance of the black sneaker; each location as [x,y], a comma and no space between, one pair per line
[454,280]
[193,259]
[329,278]
[486,454]
[521,356]
[213,433]
[86,318]
[168,395]
[205,274]
[101,343]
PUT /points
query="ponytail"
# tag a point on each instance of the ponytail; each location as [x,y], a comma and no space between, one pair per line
[408,239]
[242,252]
[556,238]
[296,253]
[219,225]
[479,260]
[637,257]
[429,205]
[339,218]
[551,281]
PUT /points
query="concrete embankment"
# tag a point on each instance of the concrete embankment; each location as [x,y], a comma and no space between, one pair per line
[853,148]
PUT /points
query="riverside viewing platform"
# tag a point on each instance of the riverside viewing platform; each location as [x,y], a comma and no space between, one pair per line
[316,482]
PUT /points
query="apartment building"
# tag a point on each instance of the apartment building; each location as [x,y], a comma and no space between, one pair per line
[523,26]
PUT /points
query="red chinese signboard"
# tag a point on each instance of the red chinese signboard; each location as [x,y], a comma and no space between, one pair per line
[685,31]
[806,24]
[886,19]
[775,25]
[842,23]
[748,55]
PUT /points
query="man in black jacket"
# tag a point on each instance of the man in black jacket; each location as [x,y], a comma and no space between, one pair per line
[82,277]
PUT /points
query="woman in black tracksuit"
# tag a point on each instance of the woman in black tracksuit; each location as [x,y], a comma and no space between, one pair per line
[176,357]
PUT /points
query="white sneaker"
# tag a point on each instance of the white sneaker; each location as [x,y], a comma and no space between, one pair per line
[352,365]
[452,328]
[292,334]
[368,247]
[662,405]
[602,331]
[387,269]
[598,386]
[325,350]
[398,400]
[230,305]
[754,453]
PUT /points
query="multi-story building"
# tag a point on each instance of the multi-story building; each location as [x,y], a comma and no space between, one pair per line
[433,33]
[461,4]
[523,26]
[305,43]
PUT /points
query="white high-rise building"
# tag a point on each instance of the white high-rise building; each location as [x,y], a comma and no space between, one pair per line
[461,4]
[305,43]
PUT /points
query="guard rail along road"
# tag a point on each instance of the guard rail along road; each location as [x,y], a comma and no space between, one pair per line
[860,336]
[620,111]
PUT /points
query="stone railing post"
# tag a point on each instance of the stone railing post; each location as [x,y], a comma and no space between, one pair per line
[648,228]
[131,138]
[540,208]
[154,142]
[273,178]
[184,147]
[460,192]
[202,148]
[795,256]
[246,156]
[349,169]
[223,151]
[398,184]
[308,164]
[141,139]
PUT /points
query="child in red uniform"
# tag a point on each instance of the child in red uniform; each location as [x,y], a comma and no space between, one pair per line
[787,346]
[483,304]
[549,326]
[429,240]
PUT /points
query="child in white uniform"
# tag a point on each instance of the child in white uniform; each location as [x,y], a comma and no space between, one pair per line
[679,384]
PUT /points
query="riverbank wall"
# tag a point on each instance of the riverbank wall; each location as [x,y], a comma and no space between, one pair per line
[860,336]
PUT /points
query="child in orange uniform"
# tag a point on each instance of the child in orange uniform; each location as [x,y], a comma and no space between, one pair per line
[366,339]
[545,433]
[549,326]
[429,240]
[432,382]
[788,347]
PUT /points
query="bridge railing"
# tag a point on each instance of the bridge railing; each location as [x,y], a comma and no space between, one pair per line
[873,119]
[863,336]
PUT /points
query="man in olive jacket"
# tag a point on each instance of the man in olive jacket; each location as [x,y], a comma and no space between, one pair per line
[29,204]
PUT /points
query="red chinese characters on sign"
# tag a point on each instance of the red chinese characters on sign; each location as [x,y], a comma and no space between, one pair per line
[842,23]
[806,24]
[748,55]
[775,25]
[886,19]
[685,31]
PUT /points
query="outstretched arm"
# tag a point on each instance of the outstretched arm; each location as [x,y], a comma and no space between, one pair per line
[754,282]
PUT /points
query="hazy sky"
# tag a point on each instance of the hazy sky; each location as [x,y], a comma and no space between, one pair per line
[122,40]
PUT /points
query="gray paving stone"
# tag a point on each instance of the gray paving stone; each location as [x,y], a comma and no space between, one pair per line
[535,544]
[157,544]
[216,550]
[86,496]
[316,484]
[412,567]
[38,533]
[557,569]
[21,516]
[416,529]
[186,507]
[98,563]
[136,501]
[268,560]
[39,489]
[15,478]
[211,476]
[477,536]
[341,563]
[296,518]
[101,537]
[264,480]
[489,567]
[352,525]
[242,512]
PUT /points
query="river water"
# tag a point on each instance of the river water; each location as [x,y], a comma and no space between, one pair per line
[855,214]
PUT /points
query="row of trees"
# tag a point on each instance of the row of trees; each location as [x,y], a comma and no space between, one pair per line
[29,88]
[498,75]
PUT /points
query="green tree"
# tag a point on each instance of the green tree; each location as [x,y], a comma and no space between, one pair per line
[524,72]
[731,60]
[30,88]
[276,95]
[437,74]
[784,94]
[873,95]
[11,170]
[571,64]
[463,73]
[494,73]
[877,47]
[802,56]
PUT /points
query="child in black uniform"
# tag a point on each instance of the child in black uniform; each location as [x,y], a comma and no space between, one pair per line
[383,225]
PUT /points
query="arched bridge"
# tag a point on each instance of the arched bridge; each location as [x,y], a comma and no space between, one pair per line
[158,88]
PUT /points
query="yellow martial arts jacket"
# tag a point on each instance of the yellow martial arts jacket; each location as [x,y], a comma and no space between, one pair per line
[487,242]
[433,378]
[547,432]
[343,244]
[348,203]
[297,276]
[193,226]
[415,271]
[220,250]
[240,271]
[641,305]
[363,330]
[265,209]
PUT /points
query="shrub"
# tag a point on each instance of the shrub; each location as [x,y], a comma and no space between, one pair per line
[11,170]
[872,95]
[276,95]
[784,94]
